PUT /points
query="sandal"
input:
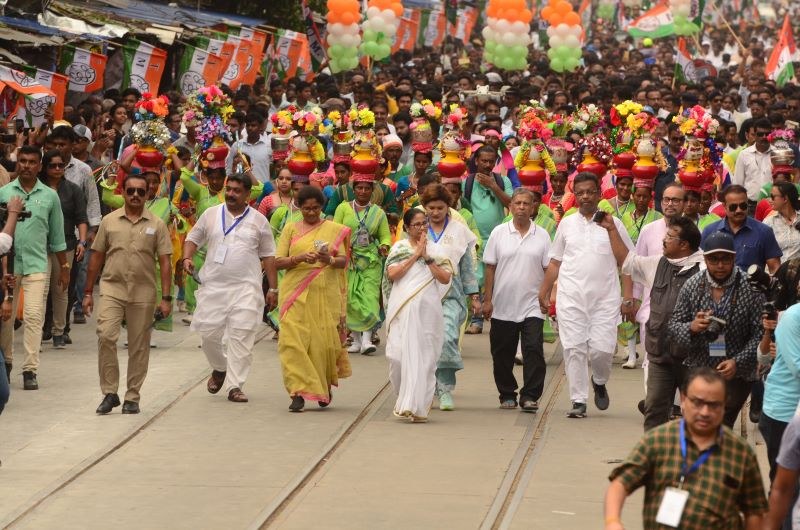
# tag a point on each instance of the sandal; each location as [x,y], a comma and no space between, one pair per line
[237,396]
[297,404]
[215,381]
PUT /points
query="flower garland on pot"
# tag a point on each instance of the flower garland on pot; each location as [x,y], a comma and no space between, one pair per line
[700,159]
[594,149]
[149,132]
[453,148]
[533,130]
[308,123]
[423,114]
[337,126]
[208,109]
[281,129]
[366,155]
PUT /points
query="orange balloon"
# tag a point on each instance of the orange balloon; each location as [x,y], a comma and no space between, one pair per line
[333,17]
[526,16]
[563,7]
[397,7]
[556,19]
[348,17]
[572,19]
[547,12]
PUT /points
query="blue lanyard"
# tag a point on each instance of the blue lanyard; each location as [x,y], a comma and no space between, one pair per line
[700,460]
[226,231]
[433,234]
[363,219]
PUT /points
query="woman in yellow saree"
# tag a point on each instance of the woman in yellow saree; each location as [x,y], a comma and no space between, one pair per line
[313,303]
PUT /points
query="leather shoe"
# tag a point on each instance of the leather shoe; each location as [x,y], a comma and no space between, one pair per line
[130,407]
[108,403]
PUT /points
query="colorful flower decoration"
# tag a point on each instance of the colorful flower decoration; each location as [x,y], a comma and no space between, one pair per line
[695,121]
[588,119]
[426,109]
[281,122]
[781,134]
[208,109]
[361,118]
[456,114]
[151,107]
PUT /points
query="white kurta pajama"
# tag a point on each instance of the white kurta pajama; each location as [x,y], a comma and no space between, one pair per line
[588,300]
[230,301]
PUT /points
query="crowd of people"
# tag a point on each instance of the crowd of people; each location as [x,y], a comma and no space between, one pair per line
[429,195]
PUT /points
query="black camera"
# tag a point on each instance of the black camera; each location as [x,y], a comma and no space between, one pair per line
[598,216]
[760,281]
[24,214]
[715,327]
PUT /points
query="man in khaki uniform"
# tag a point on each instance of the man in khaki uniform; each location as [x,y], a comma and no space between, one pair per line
[128,242]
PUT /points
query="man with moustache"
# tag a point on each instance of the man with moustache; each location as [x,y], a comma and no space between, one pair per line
[717,321]
[230,300]
[256,145]
[588,301]
[126,247]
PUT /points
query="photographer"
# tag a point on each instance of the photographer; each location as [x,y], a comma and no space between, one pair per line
[717,320]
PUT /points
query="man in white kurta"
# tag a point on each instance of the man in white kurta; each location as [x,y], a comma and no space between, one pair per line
[588,299]
[230,300]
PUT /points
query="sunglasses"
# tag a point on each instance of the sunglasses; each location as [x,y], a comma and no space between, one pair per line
[141,192]
[740,206]
[56,165]
[761,134]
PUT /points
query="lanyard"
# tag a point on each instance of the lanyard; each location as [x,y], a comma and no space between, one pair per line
[433,234]
[227,231]
[363,219]
[700,460]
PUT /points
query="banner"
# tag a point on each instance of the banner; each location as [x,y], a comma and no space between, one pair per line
[779,66]
[219,47]
[234,75]
[290,57]
[255,53]
[315,41]
[55,82]
[85,70]
[198,68]
[689,69]
[467,19]
[406,37]
[33,99]
[655,23]
[143,66]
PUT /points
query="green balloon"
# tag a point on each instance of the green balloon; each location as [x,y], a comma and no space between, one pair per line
[370,34]
[335,50]
[519,51]
[551,54]
[334,64]
[490,46]
[501,50]
[571,64]
[384,50]
[557,64]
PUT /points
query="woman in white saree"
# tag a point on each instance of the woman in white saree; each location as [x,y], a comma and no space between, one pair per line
[414,283]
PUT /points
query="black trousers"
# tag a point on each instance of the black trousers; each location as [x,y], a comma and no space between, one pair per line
[662,381]
[503,339]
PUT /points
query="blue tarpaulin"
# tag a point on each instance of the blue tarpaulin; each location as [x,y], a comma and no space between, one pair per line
[161,13]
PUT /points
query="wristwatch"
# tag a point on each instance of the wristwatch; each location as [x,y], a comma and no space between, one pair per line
[84,243]
[167,298]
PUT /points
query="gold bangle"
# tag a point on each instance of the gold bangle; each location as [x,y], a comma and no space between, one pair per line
[610,520]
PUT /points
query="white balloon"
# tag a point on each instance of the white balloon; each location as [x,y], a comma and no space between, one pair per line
[572,41]
[556,41]
[519,27]
[575,31]
[487,33]
[373,11]
[388,14]
[336,28]
[563,30]
[503,26]
[551,30]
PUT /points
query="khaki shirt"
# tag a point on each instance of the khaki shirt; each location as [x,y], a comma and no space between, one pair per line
[131,251]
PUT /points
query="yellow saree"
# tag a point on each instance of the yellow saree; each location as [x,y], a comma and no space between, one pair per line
[313,308]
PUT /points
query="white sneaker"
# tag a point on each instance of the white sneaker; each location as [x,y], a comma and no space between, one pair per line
[187,319]
[355,347]
[629,364]
[367,348]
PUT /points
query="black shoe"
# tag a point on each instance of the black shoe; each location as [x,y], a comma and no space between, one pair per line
[755,415]
[641,407]
[601,400]
[108,403]
[67,340]
[17,324]
[79,318]
[58,342]
[29,381]
[297,404]
[8,371]
[323,404]
[578,410]
[130,407]
[47,335]
[529,405]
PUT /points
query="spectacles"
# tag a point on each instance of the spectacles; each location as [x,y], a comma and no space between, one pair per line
[670,238]
[672,200]
[717,100]
[56,165]
[738,206]
[714,406]
[761,134]
[421,224]
[141,192]
[720,257]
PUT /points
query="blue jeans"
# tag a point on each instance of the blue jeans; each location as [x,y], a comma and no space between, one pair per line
[5,387]
[80,284]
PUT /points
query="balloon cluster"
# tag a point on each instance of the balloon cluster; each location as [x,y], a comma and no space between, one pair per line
[507,34]
[343,34]
[565,35]
[383,20]
[681,11]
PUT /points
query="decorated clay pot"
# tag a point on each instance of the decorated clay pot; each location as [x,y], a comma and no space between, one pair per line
[694,149]
[451,164]
[300,161]
[363,161]
[280,147]
[217,153]
[645,167]
[624,160]
[592,165]
[781,153]
[148,156]
[532,173]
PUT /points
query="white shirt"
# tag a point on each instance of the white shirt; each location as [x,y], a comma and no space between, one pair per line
[787,236]
[259,153]
[520,260]
[5,243]
[650,243]
[753,170]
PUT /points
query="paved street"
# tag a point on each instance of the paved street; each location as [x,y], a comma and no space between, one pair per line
[192,460]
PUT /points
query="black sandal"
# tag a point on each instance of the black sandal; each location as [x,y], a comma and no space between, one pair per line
[297,404]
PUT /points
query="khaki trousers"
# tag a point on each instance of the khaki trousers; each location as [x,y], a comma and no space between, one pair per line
[35,286]
[139,320]
[58,296]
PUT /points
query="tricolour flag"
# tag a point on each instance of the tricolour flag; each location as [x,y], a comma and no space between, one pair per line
[219,47]
[85,70]
[291,56]
[683,62]
[234,75]
[198,68]
[435,28]
[143,66]
[655,23]
[33,98]
[255,53]
[55,82]
[318,54]
[780,66]
[467,18]
[406,36]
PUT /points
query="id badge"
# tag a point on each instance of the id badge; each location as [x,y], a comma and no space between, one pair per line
[672,505]
[717,348]
[219,255]
[362,237]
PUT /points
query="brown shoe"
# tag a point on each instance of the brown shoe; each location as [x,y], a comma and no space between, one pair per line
[237,396]
[215,381]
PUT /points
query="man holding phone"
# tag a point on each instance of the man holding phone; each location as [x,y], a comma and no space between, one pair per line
[717,320]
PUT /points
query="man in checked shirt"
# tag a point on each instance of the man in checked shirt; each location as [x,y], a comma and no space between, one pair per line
[717,320]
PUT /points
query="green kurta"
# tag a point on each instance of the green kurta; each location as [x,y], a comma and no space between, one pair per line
[366,264]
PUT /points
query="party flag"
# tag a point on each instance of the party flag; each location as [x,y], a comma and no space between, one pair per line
[198,68]
[219,47]
[291,56]
[406,38]
[143,66]
[451,11]
[255,52]
[235,74]
[33,98]
[467,18]
[315,41]
[85,70]
[655,23]
[683,62]
[780,66]
[435,29]
[55,82]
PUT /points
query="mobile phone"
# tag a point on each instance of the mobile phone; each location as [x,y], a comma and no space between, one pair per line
[19,125]
[108,124]
[598,216]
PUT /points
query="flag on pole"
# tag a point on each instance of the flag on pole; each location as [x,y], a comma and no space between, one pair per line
[318,54]
[451,11]
[32,100]
[435,28]
[219,47]
[255,53]
[655,23]
[780,66]
[406,36]
[467,18]
[290,57]
[234,75]
[143,66]
[198,68]
[683,63]
[55,82]
[585,12]
[85,70]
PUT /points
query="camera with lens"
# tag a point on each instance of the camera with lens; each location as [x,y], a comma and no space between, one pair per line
[715,327]
[760,281]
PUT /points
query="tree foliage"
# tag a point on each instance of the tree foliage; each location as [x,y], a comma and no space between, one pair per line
[286,14]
